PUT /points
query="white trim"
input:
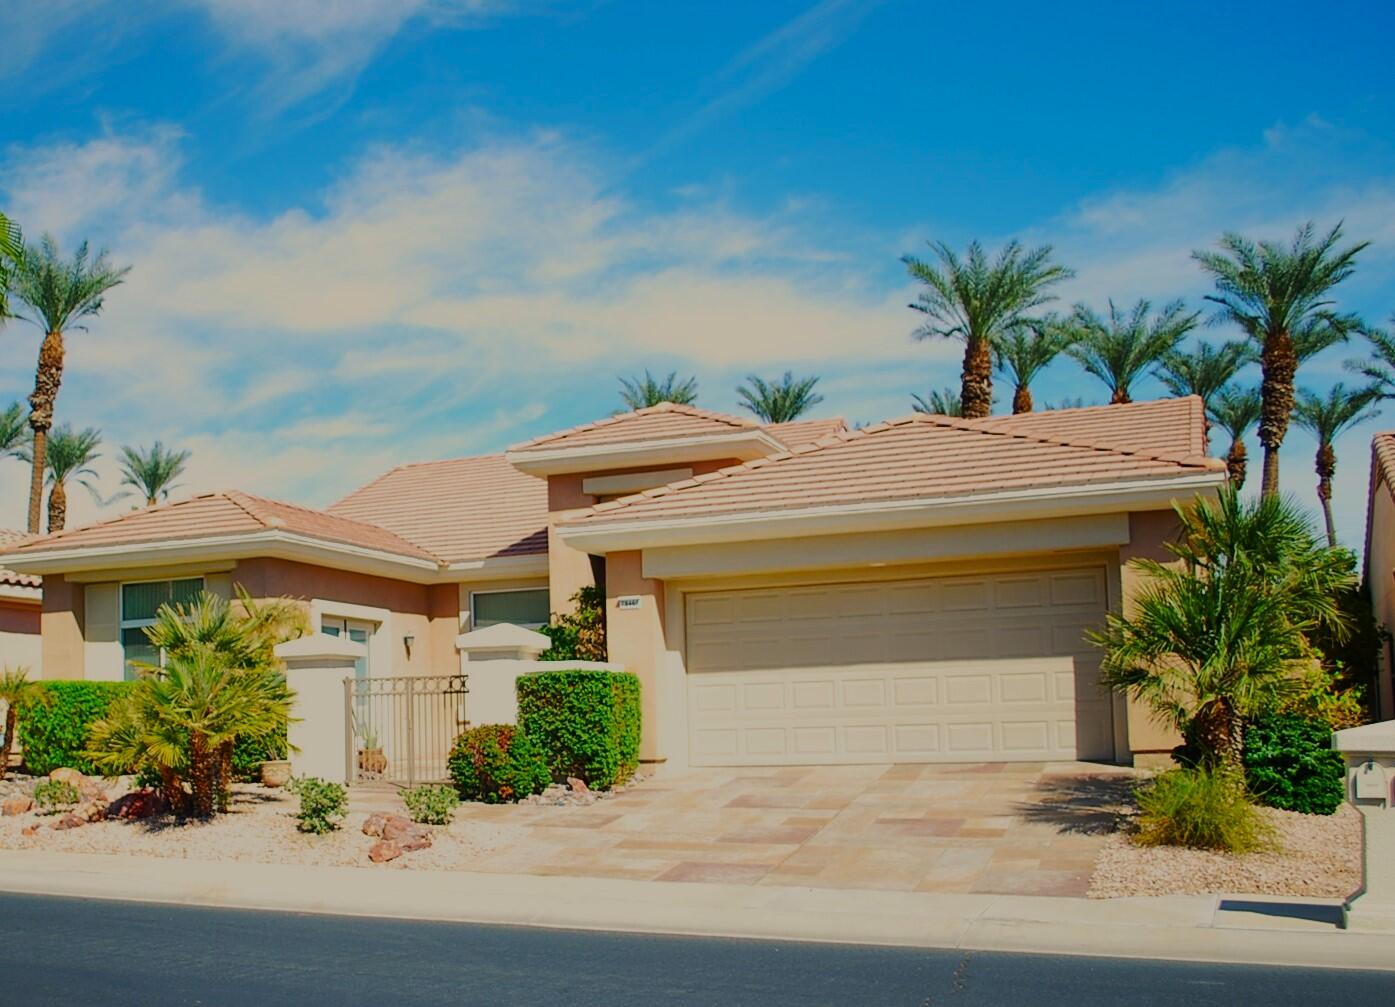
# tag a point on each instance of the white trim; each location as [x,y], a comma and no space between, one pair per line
[632,482]
[498,568]
[741,443]
[971,508]
[379,640]
[16,592]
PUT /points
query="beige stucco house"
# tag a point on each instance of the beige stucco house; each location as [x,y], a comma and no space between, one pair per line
[916,590]
[1380,559]
[21,598]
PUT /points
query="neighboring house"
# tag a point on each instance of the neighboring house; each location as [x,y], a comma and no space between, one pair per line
[1380,560]
[21,598]
[917,590]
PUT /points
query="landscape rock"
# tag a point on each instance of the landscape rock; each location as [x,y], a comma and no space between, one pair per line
[136,805]
[395,828]
[373,824]
[30,830]
[17,805]
[419,840]
[69,821]
[382,851]
[65,775]
[578,785]
[93,811]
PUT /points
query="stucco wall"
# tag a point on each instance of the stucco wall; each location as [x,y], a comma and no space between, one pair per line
[62,622]
[21,646]
[1380,572]
[1150,740]
[635,640]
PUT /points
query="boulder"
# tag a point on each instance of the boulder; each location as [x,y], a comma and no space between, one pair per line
[65,775]
[419,840]
[382,851]
[373,824]
[91,811]
[69,821]
[578,785]
[395,827]
[138,804]
[17,805]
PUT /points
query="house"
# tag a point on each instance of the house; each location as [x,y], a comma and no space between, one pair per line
[802,593]
[1380,560]
[21,596]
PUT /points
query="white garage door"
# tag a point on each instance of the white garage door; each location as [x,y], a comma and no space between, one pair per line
[951,669]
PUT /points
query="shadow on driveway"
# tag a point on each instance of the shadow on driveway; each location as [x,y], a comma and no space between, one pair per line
[1081,805]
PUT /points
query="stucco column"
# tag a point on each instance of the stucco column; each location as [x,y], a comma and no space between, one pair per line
[1151,741]
[1370,756]
[316,667]
[635,641]
[491,659]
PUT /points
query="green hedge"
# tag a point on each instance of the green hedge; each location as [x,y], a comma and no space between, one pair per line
[53,728]
[586,723]
[496,763]
[1289,764]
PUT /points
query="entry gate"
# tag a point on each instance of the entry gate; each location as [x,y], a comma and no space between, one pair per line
[400,730]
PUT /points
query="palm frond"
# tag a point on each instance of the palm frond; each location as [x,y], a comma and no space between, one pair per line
[942,402]
[152,471]
[640,393]
[59,292]
[1205,369]
[1120,348]
[779,401]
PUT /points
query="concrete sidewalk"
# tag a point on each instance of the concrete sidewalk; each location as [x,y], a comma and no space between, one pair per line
[1186,928]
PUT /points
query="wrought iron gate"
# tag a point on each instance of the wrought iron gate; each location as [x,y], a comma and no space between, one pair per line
[400,730]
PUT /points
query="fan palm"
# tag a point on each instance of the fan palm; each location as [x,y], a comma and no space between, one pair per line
[1327,419]
[1216,635]
[779,401]
[1024,352]
[152,471]
[1271,291]
[16,691]
[14,431]
[942,402]
[980,301]
[70,456]
[1236,411]
[1380,367]
[58,293]
[1121,348]
[640,393]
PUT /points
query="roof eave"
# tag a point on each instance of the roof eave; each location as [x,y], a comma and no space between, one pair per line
[972,508]
[742,445]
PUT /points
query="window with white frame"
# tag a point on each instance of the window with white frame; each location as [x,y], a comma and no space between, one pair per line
[140,604]
[528,608]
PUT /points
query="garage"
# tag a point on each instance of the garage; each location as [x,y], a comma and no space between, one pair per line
[966,668]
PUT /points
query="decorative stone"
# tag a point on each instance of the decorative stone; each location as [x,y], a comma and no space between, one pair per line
[69,822]
[382,851]
[419,840]
[138,804]
[92,811]
[578,785]
[30,830]
[17,805]
[373,824]
[395,827]
[65,775]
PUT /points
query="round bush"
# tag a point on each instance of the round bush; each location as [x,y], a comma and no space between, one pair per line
[1289,764]
[495,763]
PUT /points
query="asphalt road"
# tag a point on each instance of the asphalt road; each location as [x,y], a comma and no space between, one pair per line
[76,951]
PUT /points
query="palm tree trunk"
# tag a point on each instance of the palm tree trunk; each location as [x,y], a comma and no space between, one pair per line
[202,774]
[1215,731]
[1326,469]
[11,718]
[1022,399]
[172,790]
[47,377]
[225,766]
[1120,397]
[976,387]
[1235,463]
[57,507]
[1280,364]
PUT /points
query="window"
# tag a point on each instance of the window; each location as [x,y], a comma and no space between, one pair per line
[140,603]
[355,630]
[529,608]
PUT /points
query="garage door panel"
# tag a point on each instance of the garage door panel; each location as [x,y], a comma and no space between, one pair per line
[951,669]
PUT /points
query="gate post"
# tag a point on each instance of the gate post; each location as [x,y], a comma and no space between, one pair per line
[316,667]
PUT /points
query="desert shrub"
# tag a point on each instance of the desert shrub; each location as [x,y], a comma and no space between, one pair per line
[53,728]
[585,722]
[495,763]
[1289,764]
[51,796]
[249,752]
[431,805]
[322,804]
[1202,808]
[1322,694]
[578,635]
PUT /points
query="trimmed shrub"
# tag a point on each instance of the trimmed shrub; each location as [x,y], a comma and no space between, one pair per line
[1289,764]
[52,796]
[53,729]
[322,804]
[249,753]
[494,763]
[585,722]
[431,805]
[1205,809]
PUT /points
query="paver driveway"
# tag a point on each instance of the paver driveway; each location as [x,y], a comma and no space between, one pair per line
[990,828]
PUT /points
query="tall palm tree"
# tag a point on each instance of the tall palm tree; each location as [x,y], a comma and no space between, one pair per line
[639,393]
[781,400]
[1121,348]
[979,301]
[58,293]
[70,456]
[1271,291]
[1327,419]
[152,471]
[1236,411]
[1380,366]
[1205,369]
[14,431]
[942,402]
[11,246]
[1024,352]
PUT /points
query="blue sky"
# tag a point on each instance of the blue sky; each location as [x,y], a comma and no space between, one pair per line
[371,231]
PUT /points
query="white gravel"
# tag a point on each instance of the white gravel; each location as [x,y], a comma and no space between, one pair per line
[1316,856]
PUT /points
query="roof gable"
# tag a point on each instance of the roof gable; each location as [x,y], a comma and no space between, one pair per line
[667,420]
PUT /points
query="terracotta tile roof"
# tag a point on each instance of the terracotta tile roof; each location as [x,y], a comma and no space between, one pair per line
[662,422]
[1166,425]
[8,540]
[1383,459]
[798,432]
[229,512]
[463,509]
[919,457]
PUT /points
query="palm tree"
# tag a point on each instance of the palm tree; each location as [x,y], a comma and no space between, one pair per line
[942,402]
[979,302]
[1119,349]
[781,400]
[1024,352]
[1380,368]
[16,690]
[1205,369]
[1216,635]
[152,471]
[70,455]
[1326,419]
[58,294]
[1272,291]
[14,431]
[1236,411]
[638,394]
[11,244]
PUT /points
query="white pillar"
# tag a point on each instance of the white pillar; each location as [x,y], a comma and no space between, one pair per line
[491,659]
[1370,756]
[316,668]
